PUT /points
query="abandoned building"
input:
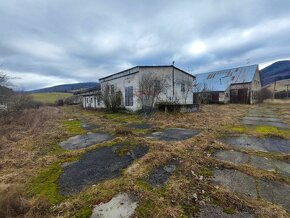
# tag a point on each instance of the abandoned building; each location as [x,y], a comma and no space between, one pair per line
[176,87]
[89,98]
[237,85]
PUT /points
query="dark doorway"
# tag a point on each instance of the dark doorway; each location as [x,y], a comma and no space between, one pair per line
[239,96]
[215,98]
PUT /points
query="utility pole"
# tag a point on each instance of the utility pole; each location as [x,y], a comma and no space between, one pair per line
[287,89]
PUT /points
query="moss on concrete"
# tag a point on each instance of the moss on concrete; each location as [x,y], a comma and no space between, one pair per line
[272,131]
[44,184]
[73,127]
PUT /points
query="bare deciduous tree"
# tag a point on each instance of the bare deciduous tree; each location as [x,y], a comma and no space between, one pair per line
[112,99]
[202,94]
[3,79]
[151,86]
[187,87]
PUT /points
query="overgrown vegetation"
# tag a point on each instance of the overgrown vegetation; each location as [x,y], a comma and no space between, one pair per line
[28,135]
[111,98]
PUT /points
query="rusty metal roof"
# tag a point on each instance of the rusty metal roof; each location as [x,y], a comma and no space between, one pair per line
[219,81]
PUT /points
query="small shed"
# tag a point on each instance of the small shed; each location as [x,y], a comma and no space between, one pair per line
[236,85]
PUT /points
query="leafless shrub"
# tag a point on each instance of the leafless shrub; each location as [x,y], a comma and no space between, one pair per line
[32,120]
[21,101]
[201,94]
[187,88]
[72,100]
[264,94]
[151,86]
[59,102]
[112,99]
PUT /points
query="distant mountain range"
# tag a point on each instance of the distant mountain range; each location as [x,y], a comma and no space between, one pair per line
[277,71]
[67,87]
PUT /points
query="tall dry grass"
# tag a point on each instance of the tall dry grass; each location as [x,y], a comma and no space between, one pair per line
[13,203]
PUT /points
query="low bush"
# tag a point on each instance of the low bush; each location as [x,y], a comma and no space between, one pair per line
[59,102]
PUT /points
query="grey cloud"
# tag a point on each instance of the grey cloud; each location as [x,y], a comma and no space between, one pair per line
[64,40]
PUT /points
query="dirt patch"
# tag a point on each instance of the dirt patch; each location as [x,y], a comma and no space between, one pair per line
[214,211]
[174,134]
[270,144]
[123,205]
[85,140]
[100,164]
[160,175]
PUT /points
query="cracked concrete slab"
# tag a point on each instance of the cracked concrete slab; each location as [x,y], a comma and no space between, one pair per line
[268,119]
[214,211]
[264,163]
[269,144]
[95,166]
[232,156]
[140,125]
[160,175]
[174,134]
[121,206]
[275,192]
[85,140]
[264,123]
[235,181]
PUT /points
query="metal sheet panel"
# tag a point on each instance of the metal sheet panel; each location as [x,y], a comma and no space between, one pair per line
[219,81]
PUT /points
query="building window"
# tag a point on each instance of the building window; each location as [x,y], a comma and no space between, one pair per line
[112,89]
[98,101]
[129,96]
[157,86]
[182,87]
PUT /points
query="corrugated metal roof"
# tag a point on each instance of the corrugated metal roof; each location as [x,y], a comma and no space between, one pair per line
[219,81]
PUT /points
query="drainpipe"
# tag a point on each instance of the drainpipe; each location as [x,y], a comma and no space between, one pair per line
[173,80]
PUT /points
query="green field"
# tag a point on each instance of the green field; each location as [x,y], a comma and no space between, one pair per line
[49,98]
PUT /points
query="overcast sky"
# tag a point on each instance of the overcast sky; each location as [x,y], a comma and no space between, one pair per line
[44,43]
